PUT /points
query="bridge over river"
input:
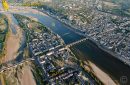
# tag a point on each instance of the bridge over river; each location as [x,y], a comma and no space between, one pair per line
[76,42]
[13,64]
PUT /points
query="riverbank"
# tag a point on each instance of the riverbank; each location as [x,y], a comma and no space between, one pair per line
[101,75]
[110,52]
[70,26]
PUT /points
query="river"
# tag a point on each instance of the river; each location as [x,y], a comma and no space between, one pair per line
[102,59]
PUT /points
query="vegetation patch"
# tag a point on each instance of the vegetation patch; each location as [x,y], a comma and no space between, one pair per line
[28,24]
[4,25]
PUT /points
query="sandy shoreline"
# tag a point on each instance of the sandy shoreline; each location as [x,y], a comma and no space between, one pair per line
[13,42]
[102,76]
[27,77]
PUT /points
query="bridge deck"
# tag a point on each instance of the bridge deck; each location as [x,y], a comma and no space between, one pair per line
[74,43]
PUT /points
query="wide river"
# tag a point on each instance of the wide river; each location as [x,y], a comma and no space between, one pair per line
[109,64]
